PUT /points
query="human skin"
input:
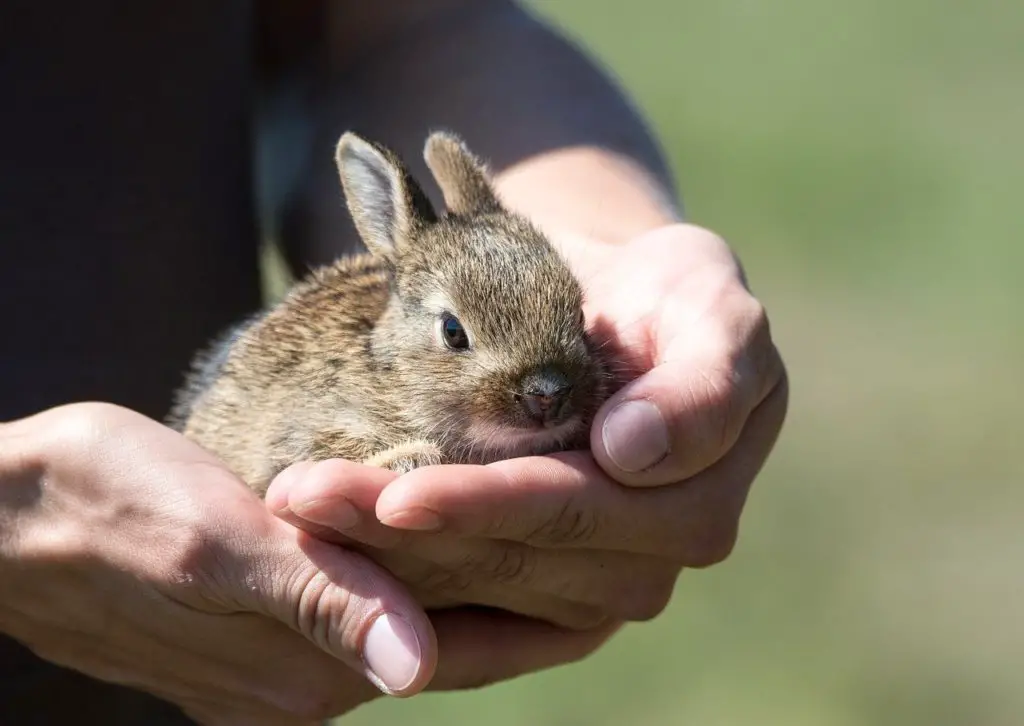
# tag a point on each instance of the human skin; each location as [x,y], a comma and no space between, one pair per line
[88,524]
[575,539]
[131,554]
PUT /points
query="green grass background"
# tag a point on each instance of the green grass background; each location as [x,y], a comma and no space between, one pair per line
[866,160]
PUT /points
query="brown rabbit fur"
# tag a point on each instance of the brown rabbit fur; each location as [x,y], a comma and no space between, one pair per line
[457,338]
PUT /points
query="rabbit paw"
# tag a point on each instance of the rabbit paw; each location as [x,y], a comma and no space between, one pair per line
[406,457]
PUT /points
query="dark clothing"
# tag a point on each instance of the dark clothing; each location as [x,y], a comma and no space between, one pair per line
[127,236]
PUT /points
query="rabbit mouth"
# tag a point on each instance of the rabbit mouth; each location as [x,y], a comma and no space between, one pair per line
[494,441]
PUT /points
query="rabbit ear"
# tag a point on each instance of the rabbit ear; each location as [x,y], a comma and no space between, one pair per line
[386,203]
[463,178]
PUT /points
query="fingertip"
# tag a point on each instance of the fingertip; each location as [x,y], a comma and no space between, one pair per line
[402,503]
[426,499]
[276,498]
[417,519]
[396,495]
[339,479]
[670,424]
[633,436]
[632,439]
[400,658]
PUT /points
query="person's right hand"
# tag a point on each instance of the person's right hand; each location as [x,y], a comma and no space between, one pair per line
[132,555]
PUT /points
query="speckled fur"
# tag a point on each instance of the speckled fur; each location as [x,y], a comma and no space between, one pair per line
[350,363]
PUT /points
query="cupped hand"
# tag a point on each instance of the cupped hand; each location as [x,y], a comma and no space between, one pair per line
[576,538]
[130,554]
[704,379]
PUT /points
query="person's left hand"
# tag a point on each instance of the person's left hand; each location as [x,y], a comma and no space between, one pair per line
[579,538]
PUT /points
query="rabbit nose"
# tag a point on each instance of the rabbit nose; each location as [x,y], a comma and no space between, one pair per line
[543,409]
[545,394]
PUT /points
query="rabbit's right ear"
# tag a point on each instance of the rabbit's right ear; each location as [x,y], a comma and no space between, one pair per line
[463,178]
[386,203]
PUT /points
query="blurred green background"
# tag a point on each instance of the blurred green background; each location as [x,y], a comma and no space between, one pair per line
[866,159]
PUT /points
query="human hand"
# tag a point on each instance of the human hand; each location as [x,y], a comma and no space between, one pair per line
[130,554]
[568,538]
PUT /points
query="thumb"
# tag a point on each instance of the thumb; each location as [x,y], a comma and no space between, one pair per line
[686,413]
[344,603]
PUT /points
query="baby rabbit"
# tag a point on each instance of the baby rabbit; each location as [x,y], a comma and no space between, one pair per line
[459,338]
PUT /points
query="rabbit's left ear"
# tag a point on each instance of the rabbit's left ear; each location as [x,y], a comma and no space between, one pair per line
[386,203]
[463,178]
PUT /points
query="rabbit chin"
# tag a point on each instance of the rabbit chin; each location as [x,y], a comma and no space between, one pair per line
[492,441]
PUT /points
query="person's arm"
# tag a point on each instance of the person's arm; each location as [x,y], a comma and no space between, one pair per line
[670,299]
[571,153]
[131,555]
[524,97]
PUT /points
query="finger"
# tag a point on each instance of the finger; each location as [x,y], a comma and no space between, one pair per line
[345,604]
[550,609]
[687,412]
[481,572]
[571,589]
[565,500]
[479,647]
[574,588]
[334,500]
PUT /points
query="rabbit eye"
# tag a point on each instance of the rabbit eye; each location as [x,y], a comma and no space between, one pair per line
[453,333]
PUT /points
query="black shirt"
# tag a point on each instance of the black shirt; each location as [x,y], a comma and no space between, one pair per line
[127,235]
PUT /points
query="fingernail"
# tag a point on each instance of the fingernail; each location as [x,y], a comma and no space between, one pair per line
[417,518]
[392,653]
[635,435]
[337,512]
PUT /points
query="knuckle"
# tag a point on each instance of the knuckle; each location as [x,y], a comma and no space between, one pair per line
[191,550]
[745,359]
[79,425]
[570,524]
[647,601]
[451,582]
[761,356]
[510,563]
[757,315]
[716,391]
[56,544]
[321,608]
[711,545]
